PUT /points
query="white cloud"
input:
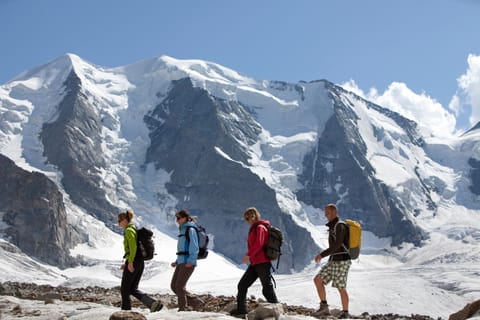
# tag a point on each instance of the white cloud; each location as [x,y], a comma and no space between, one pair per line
[352,86]
[455,105]
[469,85]
[430,115]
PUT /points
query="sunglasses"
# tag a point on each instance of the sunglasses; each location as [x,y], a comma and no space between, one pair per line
[178,218]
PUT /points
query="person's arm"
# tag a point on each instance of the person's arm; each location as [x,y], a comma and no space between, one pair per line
[260,240]
[130,235]
[193,247]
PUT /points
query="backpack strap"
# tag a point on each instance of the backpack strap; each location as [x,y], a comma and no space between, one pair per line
[278,263]
[347,251]
[273,280]
[187,233]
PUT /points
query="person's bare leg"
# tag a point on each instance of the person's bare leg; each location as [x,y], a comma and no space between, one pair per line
[344,297]
[320,288]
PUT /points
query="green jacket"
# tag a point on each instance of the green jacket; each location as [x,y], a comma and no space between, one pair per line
[130,242]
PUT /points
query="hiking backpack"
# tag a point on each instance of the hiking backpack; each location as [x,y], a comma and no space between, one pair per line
[145,244]
[275,239]
[202,240]
[354,237]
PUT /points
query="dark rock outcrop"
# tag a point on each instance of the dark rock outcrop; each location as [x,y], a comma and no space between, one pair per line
[34,213]
[475,127]
[474,175]
[467,312]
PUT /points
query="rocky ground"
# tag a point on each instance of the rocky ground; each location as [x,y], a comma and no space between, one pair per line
[111,296]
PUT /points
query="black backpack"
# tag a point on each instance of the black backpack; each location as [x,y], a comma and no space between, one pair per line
[275,240]
[202,241]
[145,244]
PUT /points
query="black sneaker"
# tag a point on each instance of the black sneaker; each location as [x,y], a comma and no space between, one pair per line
[156,306]
[186,308]
[238,313]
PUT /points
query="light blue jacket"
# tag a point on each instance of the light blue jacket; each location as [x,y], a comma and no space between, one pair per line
[190,249]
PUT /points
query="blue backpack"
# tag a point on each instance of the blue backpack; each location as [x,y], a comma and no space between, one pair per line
[202,241]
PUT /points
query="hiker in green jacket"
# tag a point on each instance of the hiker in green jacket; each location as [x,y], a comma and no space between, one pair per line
[133,266]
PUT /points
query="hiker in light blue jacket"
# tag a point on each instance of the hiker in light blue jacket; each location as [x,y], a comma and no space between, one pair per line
[187,252]
[187,245]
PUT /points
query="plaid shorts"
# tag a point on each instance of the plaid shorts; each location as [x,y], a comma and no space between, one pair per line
[335,271]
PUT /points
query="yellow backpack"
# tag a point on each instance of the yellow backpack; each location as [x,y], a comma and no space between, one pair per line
[354,237]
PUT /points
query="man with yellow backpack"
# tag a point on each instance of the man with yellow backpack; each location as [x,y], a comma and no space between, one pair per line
[344,239]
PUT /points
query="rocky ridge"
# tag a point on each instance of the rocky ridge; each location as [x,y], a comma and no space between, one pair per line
[111,296]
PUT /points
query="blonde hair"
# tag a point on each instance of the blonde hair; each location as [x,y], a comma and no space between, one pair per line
[251,214]
[127,215]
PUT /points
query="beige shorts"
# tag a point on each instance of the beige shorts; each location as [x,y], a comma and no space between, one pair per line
[335,271]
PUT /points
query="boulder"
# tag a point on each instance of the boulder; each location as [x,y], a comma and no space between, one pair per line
[266,311]
[467,312]
[127,315]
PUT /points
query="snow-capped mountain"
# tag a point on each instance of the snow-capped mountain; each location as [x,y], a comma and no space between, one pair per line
[164,134]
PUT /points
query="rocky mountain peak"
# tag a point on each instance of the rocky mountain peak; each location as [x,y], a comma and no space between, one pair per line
[223,142]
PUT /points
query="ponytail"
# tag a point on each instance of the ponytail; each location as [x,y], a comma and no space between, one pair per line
[127,215]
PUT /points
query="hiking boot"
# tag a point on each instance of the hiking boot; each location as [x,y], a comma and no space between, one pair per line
[156,306]
[196,303]
[343,315]
[186,308]
[238,313]
[322,311]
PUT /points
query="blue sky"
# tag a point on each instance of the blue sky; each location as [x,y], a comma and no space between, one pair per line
[424,44]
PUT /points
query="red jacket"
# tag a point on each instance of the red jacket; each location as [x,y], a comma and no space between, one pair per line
[257,240]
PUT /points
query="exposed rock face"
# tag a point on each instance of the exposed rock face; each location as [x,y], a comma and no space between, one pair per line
[72,143]
[475,127]
[34,213]
[474,176]
[187,132]
[337,169]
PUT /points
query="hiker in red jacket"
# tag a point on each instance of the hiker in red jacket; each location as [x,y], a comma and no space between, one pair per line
[259,267]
